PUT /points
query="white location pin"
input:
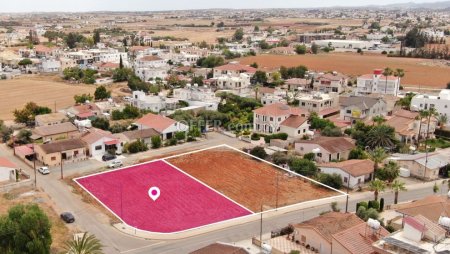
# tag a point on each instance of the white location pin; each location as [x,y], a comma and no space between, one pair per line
[154,193]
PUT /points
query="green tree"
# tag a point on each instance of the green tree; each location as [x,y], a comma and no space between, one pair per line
[180,135]
[300,49]
[25,229]
[377,156]
[332,180]
[389,172]
[121,62]
[378,119]
[415,38]
[101,93]
[23,137]
[381,136]
[156,142]
[197,80]
[72,39]
[238,34]
[397,186]
[357,154]
[122,74]
[137,146]
[210,61]
[303,167]
[260,77]
[259,152]
[25,62]
[100,123]
[96,36]
[377,186]
[29,112]
[87,244]
[82,98]
[442,120]
[254,65]
[314,48]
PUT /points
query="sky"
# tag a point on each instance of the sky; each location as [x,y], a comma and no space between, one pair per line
[157,5]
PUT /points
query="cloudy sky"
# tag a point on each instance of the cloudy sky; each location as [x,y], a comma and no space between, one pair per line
[155,5]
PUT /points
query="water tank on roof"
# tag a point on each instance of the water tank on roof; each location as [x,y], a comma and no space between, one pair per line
[266,249]
[444,221]
[374,224]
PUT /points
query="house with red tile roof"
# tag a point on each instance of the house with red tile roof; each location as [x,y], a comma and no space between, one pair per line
[162,124]
[330,83]
[100,142]
[353,172]
[326,148]
[233,69]
[377,83]
[407,125]
[7,170]
[271,118]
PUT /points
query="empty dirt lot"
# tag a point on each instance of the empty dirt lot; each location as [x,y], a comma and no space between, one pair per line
[418,72]
[247,181]
[16,93]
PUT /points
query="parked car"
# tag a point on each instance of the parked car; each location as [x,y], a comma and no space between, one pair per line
[115,164]
[44,170]
[108,157]
[68,217]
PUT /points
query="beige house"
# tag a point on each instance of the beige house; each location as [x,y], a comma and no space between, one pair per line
[354,173]
[355,108]
[330,83]
[50,119]
[422,166]
[407,126]
[269,119]
[132,136]
[54,132]
[318,102]
[66,151]
[326,149]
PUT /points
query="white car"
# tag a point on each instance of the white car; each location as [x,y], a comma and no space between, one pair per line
[44,170]
[115,164]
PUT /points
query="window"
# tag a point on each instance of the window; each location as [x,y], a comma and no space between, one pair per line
[53,158]
[271,118]
[98,148]
[319,155]
[279,119]
[298,132]
[349,111]
[345,179]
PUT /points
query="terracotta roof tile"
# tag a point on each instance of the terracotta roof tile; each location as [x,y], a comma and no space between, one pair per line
[95,134]
[331,144]
[157,122]
[4,162]
[294,121]
[280,109]
[236,67]
[63,145]
[431,207]
[150,58]
[54,129]
[353,167]
[415,223]
[218,248]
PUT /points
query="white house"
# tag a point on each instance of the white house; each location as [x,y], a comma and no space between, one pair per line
[441,103]
[151,67]
[330,83]
[7,170]
[270,118]
[100,142]
[355,108]
[197,96]
[353,172]
[348,44]
[376,83]
[164,125]
[318,102]
[49,65]
[295,126]
[155,103]
[326,149]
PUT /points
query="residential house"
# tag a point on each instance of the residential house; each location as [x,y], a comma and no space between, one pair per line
[7,170]
[84,111]
[233,69]
[150,67]
[318,102]
[50,119]
[421,165]
[44,51]
[135,135]
[419,235]
[407,126]
[107,107]
[271,95]
[49,65]
[376,83]
[326,149]
[100,142]
[54,132]
[310,37]
[221,248]
[65,151]
[155,103]
[268,119]
[354,173]
[197,96]
[236,84]
[283,51]
[295,126]
[164,125]
[441,103]
[300,84]
[318,232]
[431,207]
[105,66]
[330,83]
[356,108]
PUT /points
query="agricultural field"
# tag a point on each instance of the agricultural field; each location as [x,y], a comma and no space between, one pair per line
[15,93]
[418,72]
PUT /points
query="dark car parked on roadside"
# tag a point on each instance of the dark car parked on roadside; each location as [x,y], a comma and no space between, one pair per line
[108,157]
[67,217]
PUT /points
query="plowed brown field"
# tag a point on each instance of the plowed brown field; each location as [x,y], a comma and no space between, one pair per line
[418,72]
[247,181]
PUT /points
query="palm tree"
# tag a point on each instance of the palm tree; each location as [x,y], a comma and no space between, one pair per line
[377,156]
[405,102]
[387,72]
[377,186]
[381,135]
[378,119]
[399,73]
[87,244]
[397,186]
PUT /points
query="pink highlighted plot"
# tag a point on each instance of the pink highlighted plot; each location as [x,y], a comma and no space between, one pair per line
[181,204]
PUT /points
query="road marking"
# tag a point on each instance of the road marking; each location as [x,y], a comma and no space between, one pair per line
[143,247]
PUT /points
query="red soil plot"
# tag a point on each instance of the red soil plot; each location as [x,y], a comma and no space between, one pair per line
[184,203]
[248,181]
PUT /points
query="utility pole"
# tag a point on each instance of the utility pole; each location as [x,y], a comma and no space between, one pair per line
[62,176]
[34,167]
[348,187]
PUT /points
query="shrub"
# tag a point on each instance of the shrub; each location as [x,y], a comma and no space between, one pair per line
[374,204]
[180,135]
[259,152]
[156,142]
[255,136]
[303,167]
[280,158]
[381,205]
[362,203]
[332,180]
[171,142]
[137,146]
[282,136]
[309,156]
